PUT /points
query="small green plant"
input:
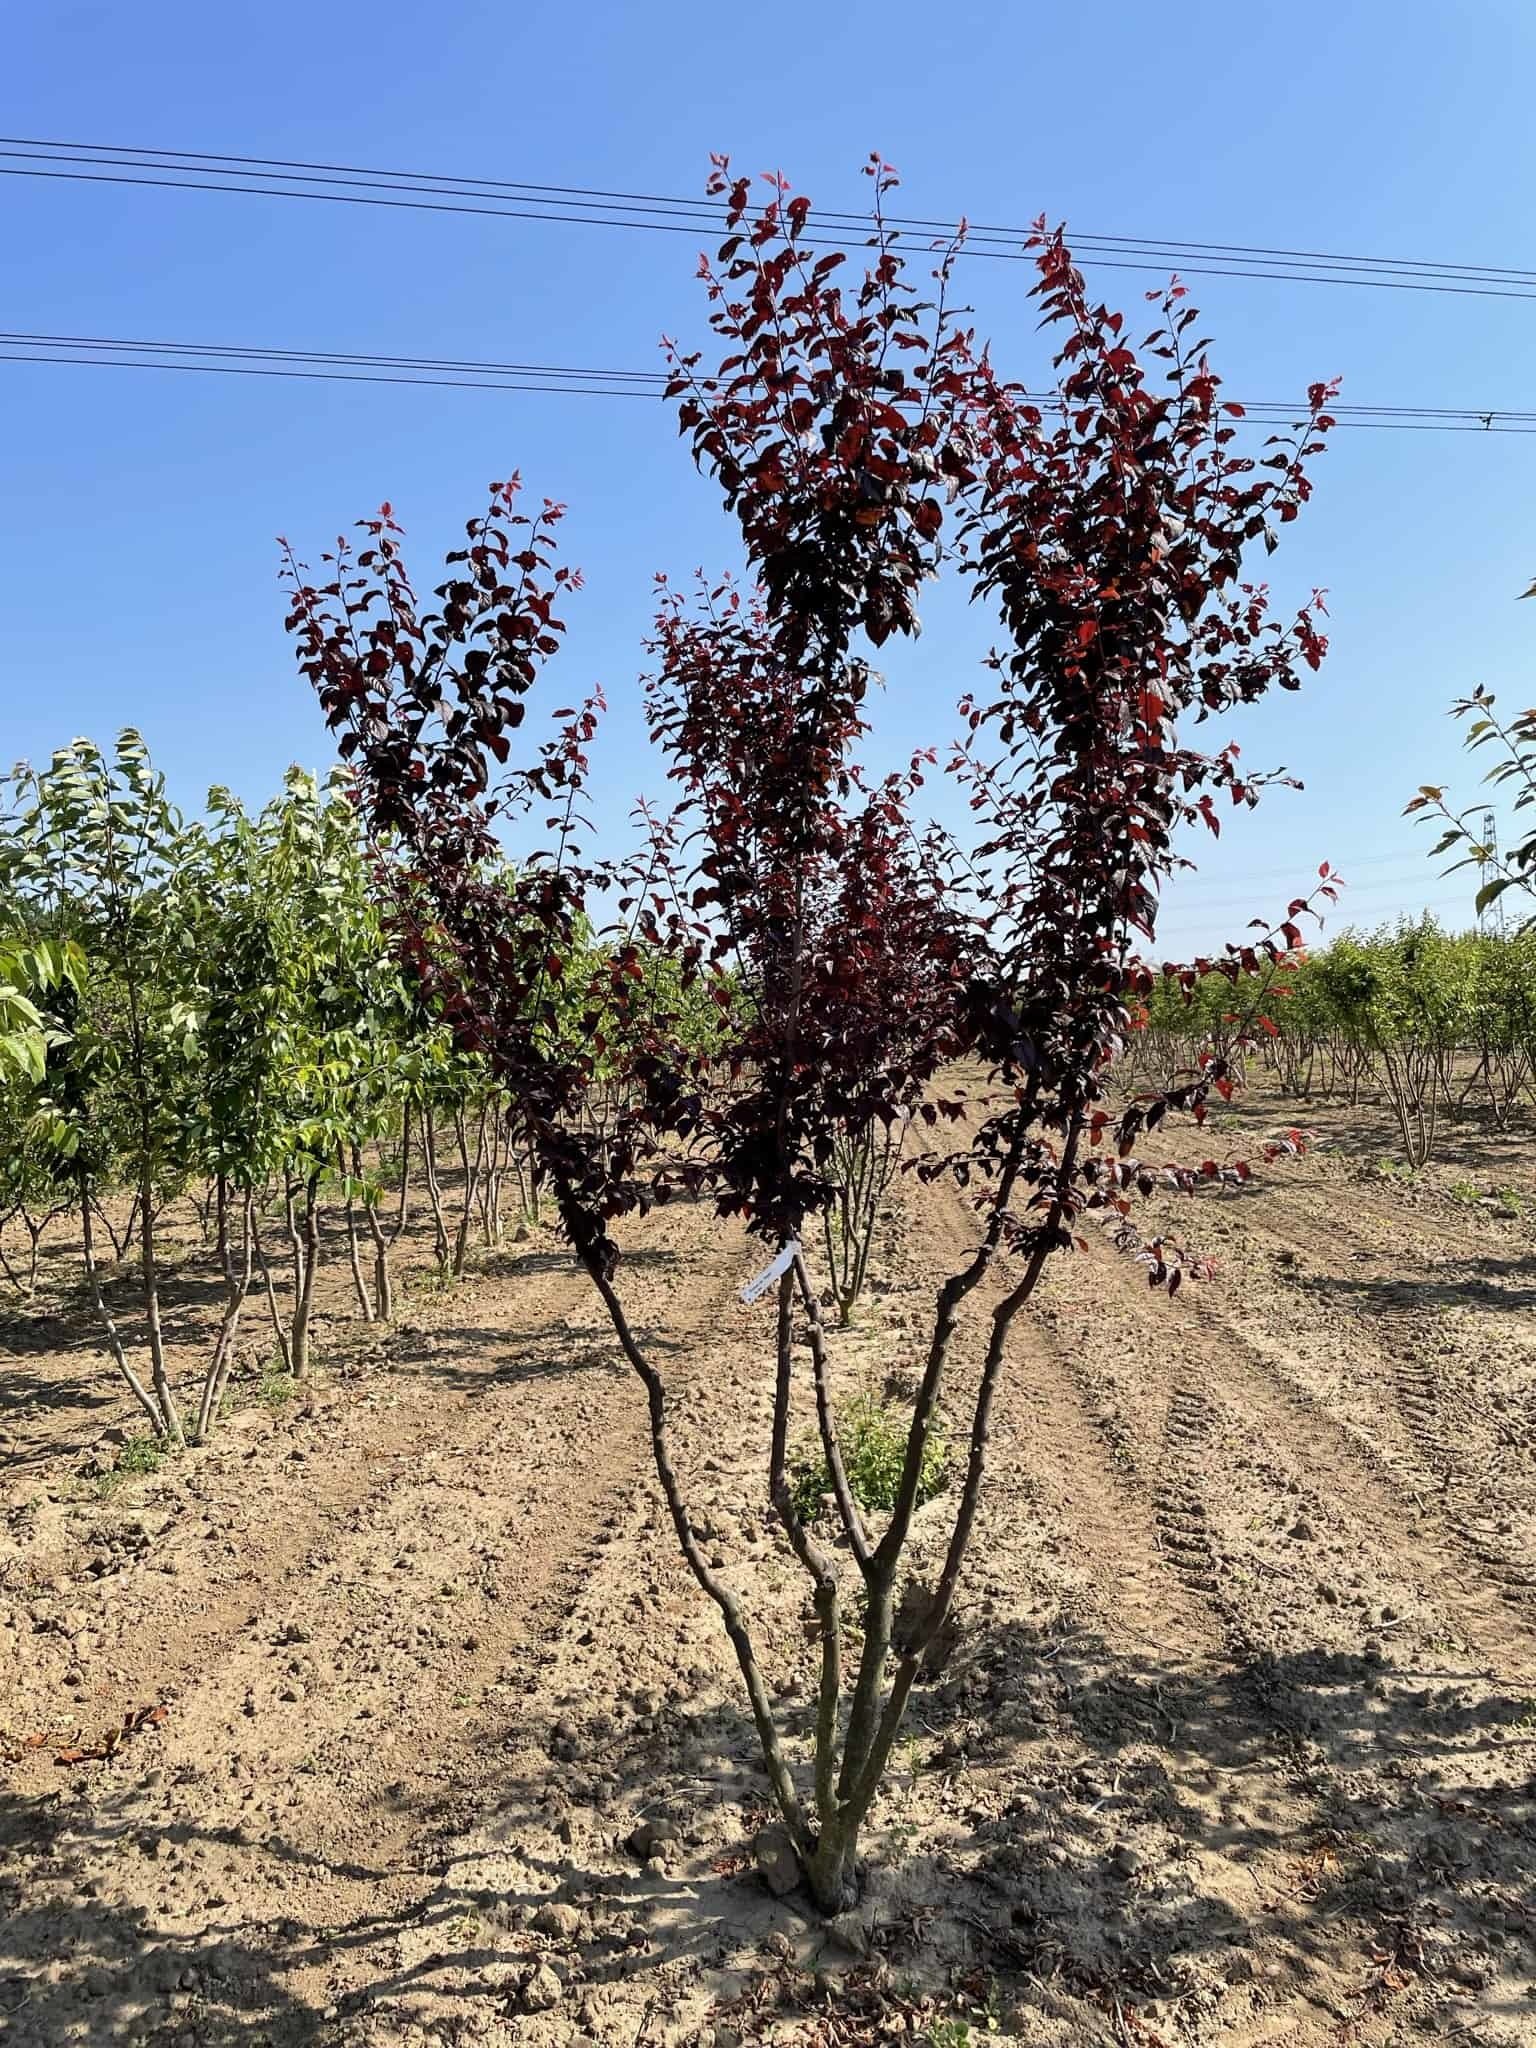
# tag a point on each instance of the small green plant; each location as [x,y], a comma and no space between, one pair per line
[986,2018]
[873,1436]
[140,1457]
[949,2034]
[1464,1192]
[1511,1205]
[277,1386]
[435,1280]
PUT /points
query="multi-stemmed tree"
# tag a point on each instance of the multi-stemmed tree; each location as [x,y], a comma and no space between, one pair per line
[862,444]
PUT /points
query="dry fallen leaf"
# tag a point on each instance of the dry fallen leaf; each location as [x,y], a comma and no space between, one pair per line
[133,1723]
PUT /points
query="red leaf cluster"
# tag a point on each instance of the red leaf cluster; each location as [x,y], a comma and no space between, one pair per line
[819,896]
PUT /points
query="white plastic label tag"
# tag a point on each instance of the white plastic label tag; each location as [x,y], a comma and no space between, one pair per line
[770,1273]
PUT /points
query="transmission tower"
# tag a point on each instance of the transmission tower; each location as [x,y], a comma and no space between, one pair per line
[1491,917]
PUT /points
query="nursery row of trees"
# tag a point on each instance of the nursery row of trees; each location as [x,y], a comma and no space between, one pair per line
[1441,1024]
[215,1009]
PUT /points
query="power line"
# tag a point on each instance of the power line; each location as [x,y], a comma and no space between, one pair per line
[474,374]
[325,376]
[475,364]
[327,366]
[710,212]
[442,192]
[713,209]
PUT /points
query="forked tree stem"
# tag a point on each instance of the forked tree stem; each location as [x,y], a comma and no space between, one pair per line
[729,1606]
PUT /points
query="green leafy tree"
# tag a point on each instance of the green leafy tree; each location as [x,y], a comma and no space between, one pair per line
[91,850]
[35,1185]
[309,1029]
[1512,743]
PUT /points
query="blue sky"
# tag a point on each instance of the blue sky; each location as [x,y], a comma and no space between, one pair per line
[137,522]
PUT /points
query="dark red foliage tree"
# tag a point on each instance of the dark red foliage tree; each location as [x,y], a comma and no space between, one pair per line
[860,442]
[819,896]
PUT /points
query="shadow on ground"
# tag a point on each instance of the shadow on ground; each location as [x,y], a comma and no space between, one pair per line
[1480,1283]
[1110,1844]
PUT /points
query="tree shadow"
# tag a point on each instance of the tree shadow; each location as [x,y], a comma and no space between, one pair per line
[500,1360]
[1098,1830]
[1501,1284]
[1367,1133]
[83,1402]
[23,1391]
[1117,1836]
[1150,1854]
[75,1967]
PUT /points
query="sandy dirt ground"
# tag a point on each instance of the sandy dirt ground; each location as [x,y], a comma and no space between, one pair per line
[1235,1743]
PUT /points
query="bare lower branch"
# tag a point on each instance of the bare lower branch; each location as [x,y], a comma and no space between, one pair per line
[814,1560]
[715,1587]
[847,1506]
[237,1285]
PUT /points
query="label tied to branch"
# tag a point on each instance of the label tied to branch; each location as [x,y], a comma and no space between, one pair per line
[770,1273]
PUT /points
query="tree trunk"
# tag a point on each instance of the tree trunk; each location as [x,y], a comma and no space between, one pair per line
[434,1188]
[306,1244]
[383,1286]
[23,1288]
[34,1226]
[237,1285]
[716,1588]
[114,1341]
[473,1167]
[832,1874]
[119,1244]
[271,1292]
[171,1418]
[363,1302]
[403,1206]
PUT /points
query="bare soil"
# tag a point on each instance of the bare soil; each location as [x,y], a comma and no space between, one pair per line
[1235,1742]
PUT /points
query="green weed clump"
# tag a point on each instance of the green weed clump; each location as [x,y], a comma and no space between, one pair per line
[873,1436]
[140,1458]
[277,1386]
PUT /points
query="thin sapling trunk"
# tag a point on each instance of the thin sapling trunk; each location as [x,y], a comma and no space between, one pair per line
[349,1210]
[170,1415]
[304,1231]
[237,1285]
[383,1284]
[104,1316]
